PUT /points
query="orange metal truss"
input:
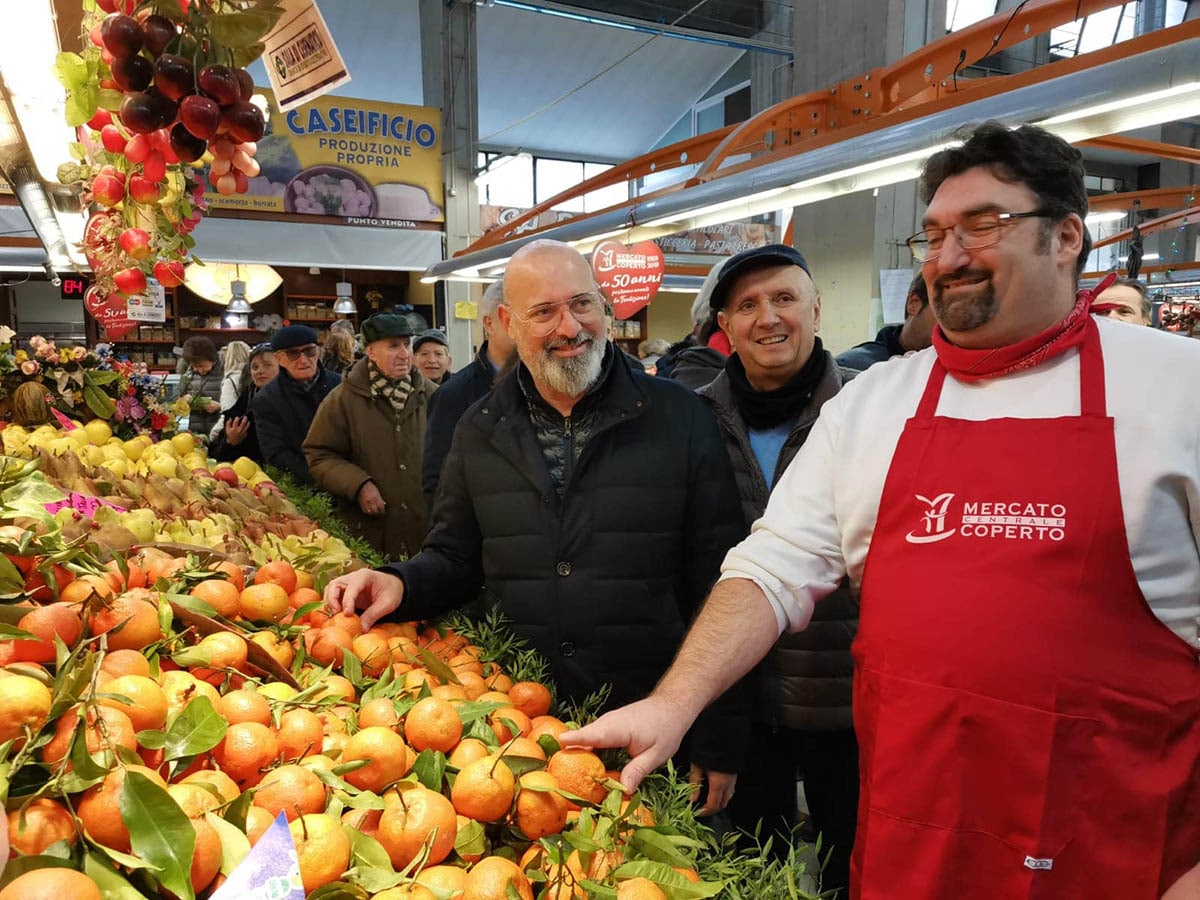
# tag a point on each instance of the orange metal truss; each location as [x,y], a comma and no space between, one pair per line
[1160,224]
[1158,198]
[924,82]
[1151,148]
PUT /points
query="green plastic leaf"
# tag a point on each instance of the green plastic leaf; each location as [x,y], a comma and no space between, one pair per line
[659,847]
[159,832]
[369,852]
[71,70]
[240,30]
[196,730]
[152,739]
[11,632]
[98,402]
[437,667]
[81,106]
[474,710]
[243,56]
[83,763]
[362,800]
[430,767]
[100,377]
[672,883]
[352,668]
[112,884]
[235,812]
[519,765]
[234,843]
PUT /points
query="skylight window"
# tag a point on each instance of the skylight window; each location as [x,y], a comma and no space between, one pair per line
[961,13]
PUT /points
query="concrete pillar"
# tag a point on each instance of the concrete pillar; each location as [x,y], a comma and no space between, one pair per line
[448,46]
[770,75]
[848,239]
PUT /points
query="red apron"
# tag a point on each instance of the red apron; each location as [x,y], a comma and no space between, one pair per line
[1027,727]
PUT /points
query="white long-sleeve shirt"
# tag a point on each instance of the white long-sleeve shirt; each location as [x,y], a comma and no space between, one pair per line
[822,513]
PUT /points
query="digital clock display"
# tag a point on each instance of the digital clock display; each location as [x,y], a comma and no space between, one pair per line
[73,287]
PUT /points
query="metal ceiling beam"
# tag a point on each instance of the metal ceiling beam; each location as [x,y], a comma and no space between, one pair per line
[629,23]
[1157,198]
[1160,224]
[1121,144]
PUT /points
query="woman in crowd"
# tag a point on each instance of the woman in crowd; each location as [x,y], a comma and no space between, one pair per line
[338,353]
[237,437]
[234,357]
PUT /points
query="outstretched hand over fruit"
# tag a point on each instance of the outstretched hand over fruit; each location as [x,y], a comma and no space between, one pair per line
[651,730]
[375,593]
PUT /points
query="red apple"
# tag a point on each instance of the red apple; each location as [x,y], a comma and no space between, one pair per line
[143,190]
[108,189]
[169,274]
[138,148]
[135,242]
[226,474]
[99,120]
[155,166]
[113,140]
[130,282]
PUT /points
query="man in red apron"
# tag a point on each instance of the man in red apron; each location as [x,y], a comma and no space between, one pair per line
[1027,689]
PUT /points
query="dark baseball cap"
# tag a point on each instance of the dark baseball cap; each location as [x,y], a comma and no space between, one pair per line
[749,261]
[433,334]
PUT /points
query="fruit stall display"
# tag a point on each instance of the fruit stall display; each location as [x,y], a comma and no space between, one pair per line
[160,709]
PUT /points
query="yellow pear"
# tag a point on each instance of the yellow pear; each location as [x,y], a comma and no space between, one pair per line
[79,436]
[184,442]
[92,455]
[98,431]
[163,465]
[62,445]
[133,449]
[117,465]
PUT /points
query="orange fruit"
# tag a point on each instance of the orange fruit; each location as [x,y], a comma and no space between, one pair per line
[279,573]
[387,753]
[322,847]
[246,751]
[690,874]
[181,688]
[221,595]
[279,649]
[494,697]
[99,809]
[24,705]
[193,798]
[465,663]
[639,889]
[546,725]
[245,705]
[443,878]
[415,679]
[226,651]
[86,586]
[258,820]
[292,790]
[233,572]
[51,884]
[579,771]
[372,651]
[125,662]
[206,859]
[410,818]
[302,596]
[380,711]
[491,878]
[146,706]
[523,746]
[59,620]
[498,681]
[300,733]
[364,821]
[473,684]
[137,617]
[433,724]
[348,622]
[337,686]
[467,751]
[541,810]
[449,692]
[42,823]
[108,728]
[411,891]
[225,787]
[505,719]
[531,698]
[327,645]
[263,602]
[483,790]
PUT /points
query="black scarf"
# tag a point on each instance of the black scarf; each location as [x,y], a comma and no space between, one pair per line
[768,409]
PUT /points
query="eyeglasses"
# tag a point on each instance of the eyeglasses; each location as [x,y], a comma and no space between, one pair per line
[972,233]
[542,319]
[295,353]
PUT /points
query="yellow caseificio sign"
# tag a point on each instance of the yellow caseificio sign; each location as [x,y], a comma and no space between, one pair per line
[353,162]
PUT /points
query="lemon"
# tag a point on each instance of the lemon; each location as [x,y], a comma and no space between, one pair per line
[278,691]
[80,437]
[163,465]
[184,442]
[245,467]
[133,449]
[118,466]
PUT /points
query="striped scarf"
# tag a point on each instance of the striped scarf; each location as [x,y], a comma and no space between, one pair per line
[394,390]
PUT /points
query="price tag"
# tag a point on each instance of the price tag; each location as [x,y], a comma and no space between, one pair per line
[270,871]
[82,503]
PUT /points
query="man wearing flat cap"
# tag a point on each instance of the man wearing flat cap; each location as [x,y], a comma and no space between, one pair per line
[364,446]
[766,401]
[284,409]
[431,351]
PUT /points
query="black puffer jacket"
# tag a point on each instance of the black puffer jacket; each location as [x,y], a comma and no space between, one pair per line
[604,580]
[283,412]
[446,407]
[805,681]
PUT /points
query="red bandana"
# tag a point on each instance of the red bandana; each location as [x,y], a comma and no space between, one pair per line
[996,362]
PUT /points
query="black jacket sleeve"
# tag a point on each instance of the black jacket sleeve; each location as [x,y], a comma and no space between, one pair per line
[446,407]
[273,439]
[718,739]
[448,571]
